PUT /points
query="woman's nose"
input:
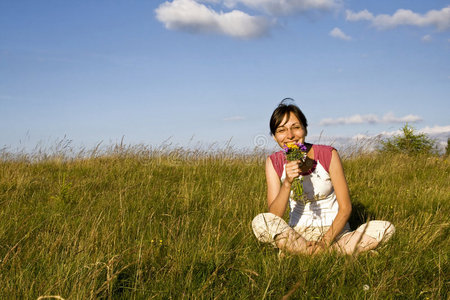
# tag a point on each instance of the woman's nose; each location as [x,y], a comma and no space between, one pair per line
[290,133]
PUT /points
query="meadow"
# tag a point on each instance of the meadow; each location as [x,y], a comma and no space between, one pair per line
[140,223]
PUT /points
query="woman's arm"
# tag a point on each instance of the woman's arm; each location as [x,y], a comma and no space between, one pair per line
[337,176]
[278,196]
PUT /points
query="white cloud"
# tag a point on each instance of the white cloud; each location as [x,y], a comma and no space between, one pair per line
[435,130]
[371,119]
[189,15]
[355,119]
[202,16]
[431,131]
[363,15]
[234,118]
[437,18]
[285,7]
[389,133]
[337,33]
[427,38]
[390,118]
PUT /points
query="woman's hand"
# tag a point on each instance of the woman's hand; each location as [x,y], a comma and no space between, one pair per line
[313,247]
[292,170]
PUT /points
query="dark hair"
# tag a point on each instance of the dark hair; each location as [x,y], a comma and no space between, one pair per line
[284,109]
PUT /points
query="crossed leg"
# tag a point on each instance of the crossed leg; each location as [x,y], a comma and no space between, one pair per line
[354,243]
[272,229]
[366,237]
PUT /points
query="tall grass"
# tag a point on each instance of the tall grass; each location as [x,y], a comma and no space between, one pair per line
[138,223]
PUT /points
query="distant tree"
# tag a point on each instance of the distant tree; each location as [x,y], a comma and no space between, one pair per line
[410,143]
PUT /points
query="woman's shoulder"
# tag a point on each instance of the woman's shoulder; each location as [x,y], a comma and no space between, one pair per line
[278,161]
[277,154]
[322,148]
[323,154]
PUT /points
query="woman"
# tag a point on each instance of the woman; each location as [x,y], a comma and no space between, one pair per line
[320,221]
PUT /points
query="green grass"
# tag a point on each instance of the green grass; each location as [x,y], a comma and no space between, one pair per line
[144,224]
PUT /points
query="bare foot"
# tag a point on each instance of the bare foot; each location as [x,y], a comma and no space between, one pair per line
[292,242]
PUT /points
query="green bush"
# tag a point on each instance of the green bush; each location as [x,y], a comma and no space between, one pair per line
[410,143]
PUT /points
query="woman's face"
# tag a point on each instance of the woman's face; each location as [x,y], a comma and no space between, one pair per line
[290,130]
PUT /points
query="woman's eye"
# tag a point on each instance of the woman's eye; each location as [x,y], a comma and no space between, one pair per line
[281,130]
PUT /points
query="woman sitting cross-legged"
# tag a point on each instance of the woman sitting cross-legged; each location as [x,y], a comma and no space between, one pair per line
[318,219]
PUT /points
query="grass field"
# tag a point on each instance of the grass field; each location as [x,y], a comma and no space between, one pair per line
[142,224]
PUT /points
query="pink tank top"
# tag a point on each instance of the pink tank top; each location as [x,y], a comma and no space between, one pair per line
[322,153]
[321,207]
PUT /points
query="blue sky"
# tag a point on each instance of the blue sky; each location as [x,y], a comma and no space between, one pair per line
[202,72]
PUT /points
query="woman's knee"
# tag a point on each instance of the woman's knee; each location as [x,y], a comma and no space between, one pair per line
[267,225]
[377,229]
